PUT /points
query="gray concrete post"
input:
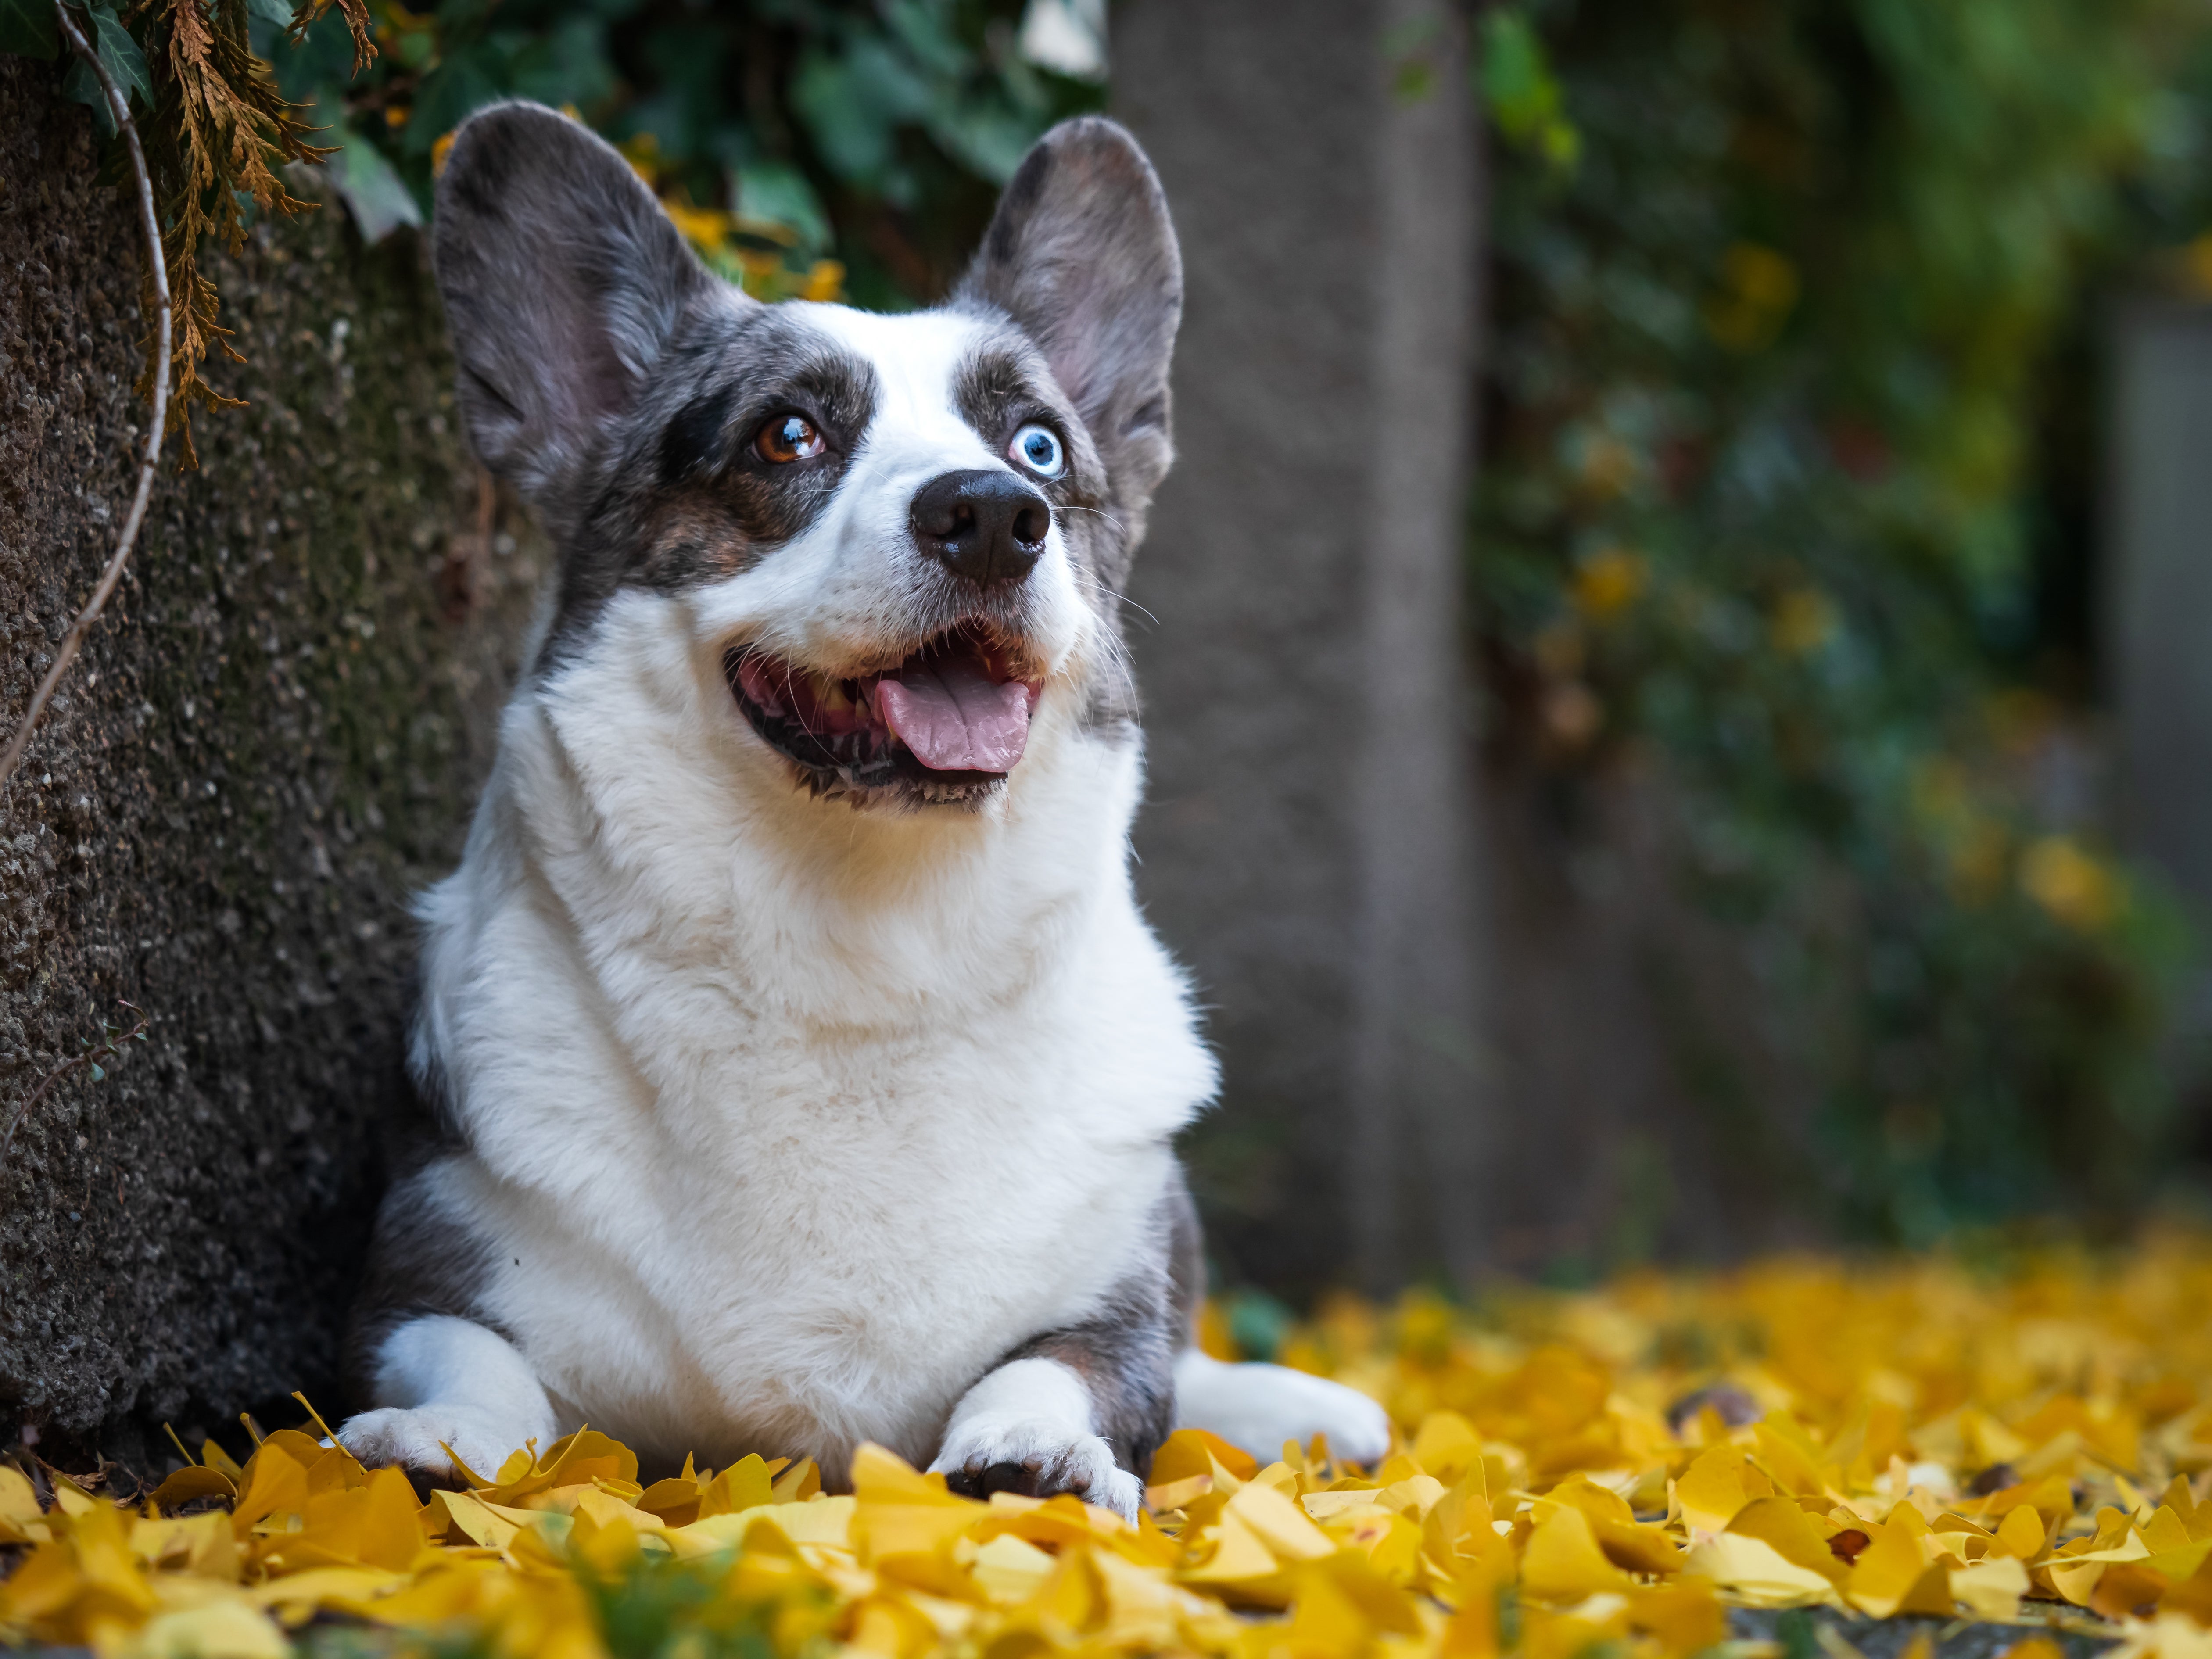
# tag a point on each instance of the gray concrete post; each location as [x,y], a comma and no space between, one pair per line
[2157,620]
[1309,848]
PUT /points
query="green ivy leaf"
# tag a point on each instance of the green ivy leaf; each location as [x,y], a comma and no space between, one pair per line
[1524,95]
[778,193]
[119,56]
[374,192]
[989,142]
[27,29]
[468,79]
[119,53]
[853,104]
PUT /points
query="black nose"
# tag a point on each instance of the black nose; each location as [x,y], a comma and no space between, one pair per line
[987,526]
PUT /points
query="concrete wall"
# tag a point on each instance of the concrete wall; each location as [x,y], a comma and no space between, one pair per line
[2157,620]
[1309,847]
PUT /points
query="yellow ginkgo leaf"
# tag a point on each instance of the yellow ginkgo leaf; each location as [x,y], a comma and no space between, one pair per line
[1239,1559]
[2022,1533]
[1991,1587]
[1189,1452]
[1892,1574]
[1448,1446]
[220,1630]
[1783,1523]
[22,1519]
[748,1481]
[1010,1569]
[1563,1562]
[1717,1484]
[1757,1573]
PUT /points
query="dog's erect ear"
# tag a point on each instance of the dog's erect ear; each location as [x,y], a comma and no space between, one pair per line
[1082,255]
[562,280]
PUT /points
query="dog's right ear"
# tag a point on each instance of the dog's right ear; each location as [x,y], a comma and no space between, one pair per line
[562,280]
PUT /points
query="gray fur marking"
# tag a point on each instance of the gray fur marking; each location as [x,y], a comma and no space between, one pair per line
[423,1260]
[562,280]
[1126,1353]
[1082,255]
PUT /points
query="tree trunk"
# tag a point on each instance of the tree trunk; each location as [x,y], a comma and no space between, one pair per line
[272,740]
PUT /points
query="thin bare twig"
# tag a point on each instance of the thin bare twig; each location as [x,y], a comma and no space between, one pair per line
[108,1047]
[65,653]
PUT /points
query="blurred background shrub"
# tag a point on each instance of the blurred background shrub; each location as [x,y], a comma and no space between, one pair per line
[1790,479]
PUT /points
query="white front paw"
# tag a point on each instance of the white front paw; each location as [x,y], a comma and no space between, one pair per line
[1358,1429]
[1036,1457]
[416,1438]
[1257,1407]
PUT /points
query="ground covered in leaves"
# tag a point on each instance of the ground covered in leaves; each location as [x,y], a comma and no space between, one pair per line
[1912,1451]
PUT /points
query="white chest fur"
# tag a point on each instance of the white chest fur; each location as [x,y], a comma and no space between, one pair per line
[785,1121]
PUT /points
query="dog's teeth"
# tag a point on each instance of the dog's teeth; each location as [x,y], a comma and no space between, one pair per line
[832,697]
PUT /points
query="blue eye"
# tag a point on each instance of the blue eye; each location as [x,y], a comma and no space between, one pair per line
[1039,448]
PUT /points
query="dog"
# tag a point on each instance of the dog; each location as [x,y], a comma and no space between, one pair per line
[800,1070]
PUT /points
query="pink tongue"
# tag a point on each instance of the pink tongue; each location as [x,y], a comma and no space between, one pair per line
[953,718]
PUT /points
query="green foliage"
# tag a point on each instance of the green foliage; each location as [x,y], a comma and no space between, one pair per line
[1519,89]
[776,131]
[120,56]
[27,29]
[1762,496]
[801,142]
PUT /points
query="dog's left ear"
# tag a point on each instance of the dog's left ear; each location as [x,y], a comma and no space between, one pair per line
[1081,254]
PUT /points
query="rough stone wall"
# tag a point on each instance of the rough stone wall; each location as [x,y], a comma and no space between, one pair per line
[272,740]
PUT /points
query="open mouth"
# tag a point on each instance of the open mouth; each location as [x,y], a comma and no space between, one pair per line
[954,714]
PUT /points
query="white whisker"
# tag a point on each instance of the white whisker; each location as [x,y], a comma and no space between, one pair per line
[1096,513]
[1119,599]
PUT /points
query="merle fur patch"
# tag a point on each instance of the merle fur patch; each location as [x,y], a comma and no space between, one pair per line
[1126,1353]
[423,1259]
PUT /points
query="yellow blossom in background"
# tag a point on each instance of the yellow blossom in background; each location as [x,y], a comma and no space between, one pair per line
[1609,581]
[705,228]
[2073,886]
[2197,265]
[1572,714]
[1974,842]
[1977,860]
[1804,621]
[1758,289]
[1914,1441]
[1608,465]
[642,151]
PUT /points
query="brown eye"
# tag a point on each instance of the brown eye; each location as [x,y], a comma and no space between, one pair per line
[788,438]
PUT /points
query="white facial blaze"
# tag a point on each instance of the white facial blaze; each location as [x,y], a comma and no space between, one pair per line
[853,584]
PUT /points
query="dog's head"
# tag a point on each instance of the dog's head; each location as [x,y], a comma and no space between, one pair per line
[895,534]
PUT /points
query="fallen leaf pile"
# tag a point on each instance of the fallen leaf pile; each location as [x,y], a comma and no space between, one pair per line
[1578,1475]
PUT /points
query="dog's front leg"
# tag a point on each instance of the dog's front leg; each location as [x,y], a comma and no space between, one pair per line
[1080,1410]
[441,1382]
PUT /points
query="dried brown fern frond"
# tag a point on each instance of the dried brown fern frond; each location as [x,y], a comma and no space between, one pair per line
[221,131]
[356,13]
